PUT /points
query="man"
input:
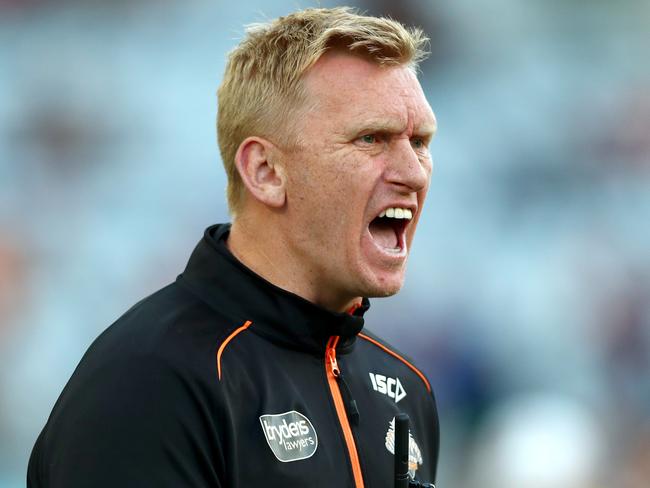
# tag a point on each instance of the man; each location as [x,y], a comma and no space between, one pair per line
[253,368]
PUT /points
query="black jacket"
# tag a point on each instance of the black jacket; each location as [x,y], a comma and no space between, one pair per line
[221,379]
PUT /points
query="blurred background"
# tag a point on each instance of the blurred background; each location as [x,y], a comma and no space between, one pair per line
[527,299]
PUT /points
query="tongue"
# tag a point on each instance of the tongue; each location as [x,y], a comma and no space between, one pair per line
[383,234]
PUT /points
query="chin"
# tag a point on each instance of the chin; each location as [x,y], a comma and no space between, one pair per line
[381,288]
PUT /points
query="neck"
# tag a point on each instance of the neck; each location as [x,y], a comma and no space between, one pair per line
[267,255]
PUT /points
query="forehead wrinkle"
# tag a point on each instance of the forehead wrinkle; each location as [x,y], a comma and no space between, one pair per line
[408,114]
[404,111]
[391,118]
[414,121]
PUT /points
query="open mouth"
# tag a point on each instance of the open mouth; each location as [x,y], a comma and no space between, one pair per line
[388,229]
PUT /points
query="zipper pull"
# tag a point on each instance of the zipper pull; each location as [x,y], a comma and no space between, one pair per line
[350,403]
[333,363]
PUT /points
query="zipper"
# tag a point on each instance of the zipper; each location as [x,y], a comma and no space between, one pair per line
[346,394]
[334,379]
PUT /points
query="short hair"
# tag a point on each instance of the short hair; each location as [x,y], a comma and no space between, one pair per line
[262,87]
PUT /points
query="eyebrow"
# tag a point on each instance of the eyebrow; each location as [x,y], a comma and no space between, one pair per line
[427,129]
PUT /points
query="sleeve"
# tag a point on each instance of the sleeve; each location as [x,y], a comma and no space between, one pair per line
[140,423]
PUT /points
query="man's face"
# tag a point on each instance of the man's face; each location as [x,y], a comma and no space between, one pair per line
[362,153]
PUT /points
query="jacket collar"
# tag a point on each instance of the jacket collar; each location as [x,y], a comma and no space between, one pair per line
[219,279]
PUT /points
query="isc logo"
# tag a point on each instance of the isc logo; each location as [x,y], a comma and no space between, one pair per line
[388,386]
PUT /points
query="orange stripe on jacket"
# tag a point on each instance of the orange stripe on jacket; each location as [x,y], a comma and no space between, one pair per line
[394,354]
[225,343]
[330,363]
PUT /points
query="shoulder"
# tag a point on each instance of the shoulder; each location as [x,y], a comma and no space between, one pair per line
[172,326]
[147,384]
[166,344]
[146,371]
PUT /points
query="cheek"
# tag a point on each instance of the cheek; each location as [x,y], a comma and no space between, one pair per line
[330,192]
[315,206]
[326,189]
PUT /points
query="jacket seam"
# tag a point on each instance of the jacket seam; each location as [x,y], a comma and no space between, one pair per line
[399,357]
[226,341]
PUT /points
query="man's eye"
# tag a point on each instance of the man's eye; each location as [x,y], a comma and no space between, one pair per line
[418,143]
[369,138]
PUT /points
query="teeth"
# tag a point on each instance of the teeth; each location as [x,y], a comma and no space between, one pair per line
[397,213]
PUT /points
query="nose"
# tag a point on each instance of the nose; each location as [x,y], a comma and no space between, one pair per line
[407,167]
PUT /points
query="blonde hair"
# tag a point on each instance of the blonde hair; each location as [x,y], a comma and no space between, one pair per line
[262,86]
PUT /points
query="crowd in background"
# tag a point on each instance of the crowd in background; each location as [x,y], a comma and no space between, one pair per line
[527,297]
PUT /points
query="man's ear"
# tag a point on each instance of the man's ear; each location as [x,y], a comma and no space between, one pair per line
[263,176]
